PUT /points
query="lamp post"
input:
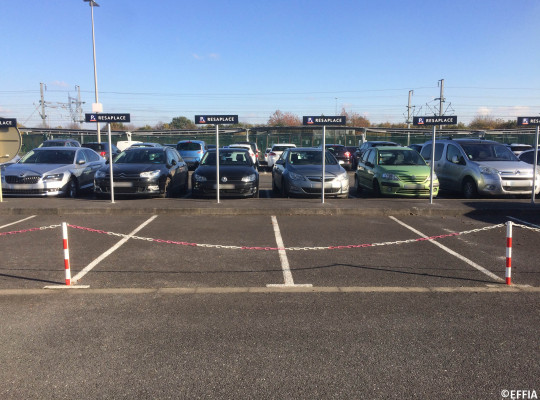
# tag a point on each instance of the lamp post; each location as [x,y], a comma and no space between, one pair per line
[97,106]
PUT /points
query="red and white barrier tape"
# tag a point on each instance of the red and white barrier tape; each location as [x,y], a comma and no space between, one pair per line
[508,274]
[66,253]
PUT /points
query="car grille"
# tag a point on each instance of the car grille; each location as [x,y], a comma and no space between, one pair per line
[418,192]
[319,178]
[413,178]
[23,179]
[25,191]
[318,191]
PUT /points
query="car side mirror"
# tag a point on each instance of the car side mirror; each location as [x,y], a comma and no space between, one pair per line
[81,162]
[369,164]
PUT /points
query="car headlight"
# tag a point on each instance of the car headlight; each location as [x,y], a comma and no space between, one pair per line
[390,177]
[342,177]
[250,178]
[489,171]
[100,174]
[53,177]
[199,178]
[150,174]
[296,177]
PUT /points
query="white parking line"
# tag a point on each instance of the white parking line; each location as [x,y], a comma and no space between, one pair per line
[90,266]
[452,252]
[523,222]
[16,222]
[287,274]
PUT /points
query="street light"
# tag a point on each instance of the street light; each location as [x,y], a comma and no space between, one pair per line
[97,107]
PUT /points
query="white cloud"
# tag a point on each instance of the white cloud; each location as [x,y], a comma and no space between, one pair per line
[59,83]
[483,111]
[197,57]
[214,56]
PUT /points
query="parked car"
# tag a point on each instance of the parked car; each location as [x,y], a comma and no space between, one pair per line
[518,148]
[254,148]
[102,149]
[124,144]
[237,173]
[277,151]
[479,167]
[528,157]
[352,150]
[248,147]
[264,162]
[398,171]
[368,145]
[52,171]
[342,154]
[60,142]
[299,172]
[144,144]
[416,146]
[144,171]
[191,151]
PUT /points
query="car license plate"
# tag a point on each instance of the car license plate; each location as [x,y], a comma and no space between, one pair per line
[225,186]
[524,184]
[122,184]
[412,186]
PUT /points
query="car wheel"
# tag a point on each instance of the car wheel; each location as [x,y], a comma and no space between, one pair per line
[376,188]
[274,186]
[166,189]
[357,185]
[71,189]
[469,189]
[284,189]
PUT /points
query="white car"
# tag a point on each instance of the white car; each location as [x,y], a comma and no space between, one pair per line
[246,146]
[276,152]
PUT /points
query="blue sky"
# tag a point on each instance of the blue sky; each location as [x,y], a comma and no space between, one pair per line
[158,59]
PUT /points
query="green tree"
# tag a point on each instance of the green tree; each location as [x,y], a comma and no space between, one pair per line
[181,123]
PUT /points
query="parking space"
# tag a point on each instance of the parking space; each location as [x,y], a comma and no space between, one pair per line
[34,259]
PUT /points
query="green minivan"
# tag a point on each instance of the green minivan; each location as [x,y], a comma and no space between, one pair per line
[394,171]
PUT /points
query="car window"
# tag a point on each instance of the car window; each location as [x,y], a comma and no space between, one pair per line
[452,151]
[188,146]
[488,152]
[370,156]
[399,157]
[426,151]
[141,156]
[170,157]
[527,157]
[309,157]
[90,155]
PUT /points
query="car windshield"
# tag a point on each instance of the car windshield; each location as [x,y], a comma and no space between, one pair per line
[48,157]
[400,157]
[226,157]
[141,156]
[488,152]
[310,157]
[188,146]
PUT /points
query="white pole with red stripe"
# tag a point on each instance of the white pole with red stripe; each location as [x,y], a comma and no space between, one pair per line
[66,253]
[509,253]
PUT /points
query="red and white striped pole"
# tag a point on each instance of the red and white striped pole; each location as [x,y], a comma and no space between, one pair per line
[509,253]
[66,254]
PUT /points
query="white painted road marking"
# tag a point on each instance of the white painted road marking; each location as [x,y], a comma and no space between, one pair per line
[452,252]
[16,222]
[90,266]
[287,274]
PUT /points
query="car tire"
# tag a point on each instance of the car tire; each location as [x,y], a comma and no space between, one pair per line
[166,188]
[71,190]
[376,188]
[284,189]
[469,189]
[357,185]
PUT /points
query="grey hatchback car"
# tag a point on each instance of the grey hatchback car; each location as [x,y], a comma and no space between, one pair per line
[480,167]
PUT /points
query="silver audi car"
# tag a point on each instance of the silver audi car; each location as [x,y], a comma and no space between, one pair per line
[52,171]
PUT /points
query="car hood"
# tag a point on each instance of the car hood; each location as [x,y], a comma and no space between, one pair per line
[35,169]
[316,170]
[509,167]
[230,171]
[131,168]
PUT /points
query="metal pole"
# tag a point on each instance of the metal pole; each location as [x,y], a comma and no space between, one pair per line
[535,165]
[217,163]
[409,118]
[323,159]
[95,68]
[111,165]
[432,172]
[1,196]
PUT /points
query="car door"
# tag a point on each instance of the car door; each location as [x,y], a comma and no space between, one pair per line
[93,163]
[279,169]
[365,168]
[451,168]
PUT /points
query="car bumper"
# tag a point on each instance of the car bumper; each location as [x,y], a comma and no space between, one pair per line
[39,189]
[135,187]
[505,187]
[402,189]
[235,189]
[310,188]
